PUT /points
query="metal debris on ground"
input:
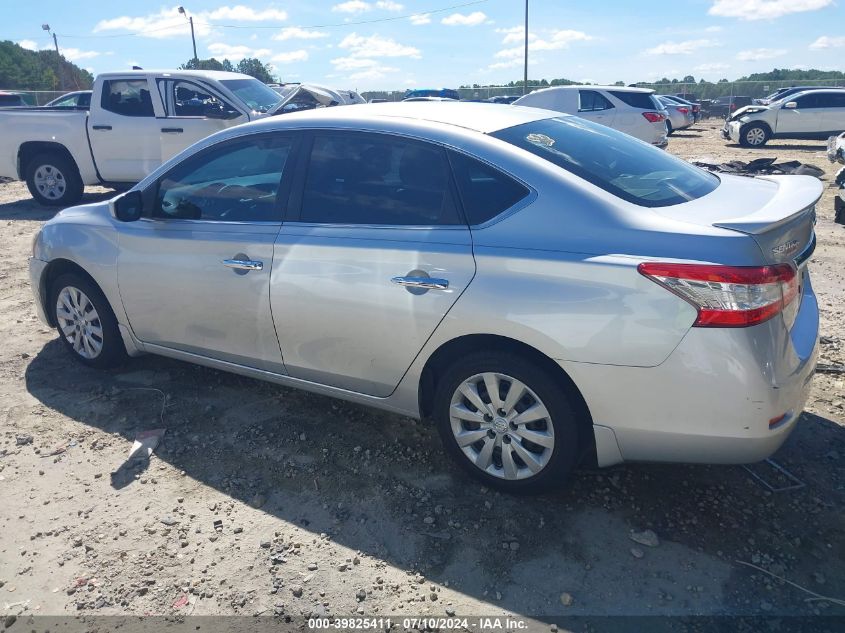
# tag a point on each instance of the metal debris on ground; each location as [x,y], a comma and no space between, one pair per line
[780,480]
[762,166]
[824,368]
[145,443]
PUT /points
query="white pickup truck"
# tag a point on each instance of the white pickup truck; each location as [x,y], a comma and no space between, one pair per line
[137,120]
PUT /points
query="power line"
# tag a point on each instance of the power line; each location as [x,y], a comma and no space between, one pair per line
[282,26]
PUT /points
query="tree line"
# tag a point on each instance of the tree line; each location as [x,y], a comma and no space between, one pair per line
[39,70]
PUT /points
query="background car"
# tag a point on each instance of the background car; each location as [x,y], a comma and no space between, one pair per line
[428,99]
[79,99]
[723,106]
[783,93]
[11,99]
[447,93]
[364,253]
[679,117]
[695,106]
[502,99]
[634,111]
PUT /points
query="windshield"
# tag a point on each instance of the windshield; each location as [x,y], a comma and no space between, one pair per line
[256,95]
[620,164]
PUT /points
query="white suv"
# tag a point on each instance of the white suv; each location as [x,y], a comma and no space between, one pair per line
[634,111]
[814,114]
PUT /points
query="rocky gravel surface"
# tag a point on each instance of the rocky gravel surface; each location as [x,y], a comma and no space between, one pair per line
[264,500]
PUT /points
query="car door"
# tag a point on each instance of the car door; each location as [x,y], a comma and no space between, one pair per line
[807,117]
[123,131]
[593,106]
[194,274]
[834,115]
[371,260]
[192,112]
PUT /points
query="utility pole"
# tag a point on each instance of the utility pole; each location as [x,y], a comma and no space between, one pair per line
[191,22]
[525,82]
[46,27]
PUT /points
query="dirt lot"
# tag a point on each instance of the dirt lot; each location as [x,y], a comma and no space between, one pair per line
[330,508]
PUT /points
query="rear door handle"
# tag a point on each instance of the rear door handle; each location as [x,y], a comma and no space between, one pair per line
[243,264]
[172,130]
[428,283]
[101,127]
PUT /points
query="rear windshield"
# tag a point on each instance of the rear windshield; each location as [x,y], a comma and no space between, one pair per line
[641,100]
[618,163]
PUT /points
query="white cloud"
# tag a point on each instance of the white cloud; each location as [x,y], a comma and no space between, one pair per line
[757,54]
[29,45]
[687,47]
[470,19]
[296,33]
[75,54]
[389,5]
[764,9]
[288,57]
[823,42]
[363,68]
[240,13]
[711,67]
[352,6]
[553,41]
[377,46]
[419,20]
[170,23]
[713,29]
[228,51]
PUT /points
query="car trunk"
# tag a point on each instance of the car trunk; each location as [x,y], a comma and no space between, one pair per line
[778,212]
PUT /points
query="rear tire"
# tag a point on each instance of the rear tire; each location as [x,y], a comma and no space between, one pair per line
[669,129]
[85,322]
[53,180]
[524,445]
[754,135]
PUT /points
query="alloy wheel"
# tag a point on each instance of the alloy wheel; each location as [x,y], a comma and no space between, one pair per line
[79,322]
[50,182]
[502,426]
[755,136]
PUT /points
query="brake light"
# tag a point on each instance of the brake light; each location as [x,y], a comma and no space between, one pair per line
[728,296]
[683,110]
[654,117]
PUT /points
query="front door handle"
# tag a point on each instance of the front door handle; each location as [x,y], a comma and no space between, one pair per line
[172,130]
[427,283]
[243,264]
[101,127]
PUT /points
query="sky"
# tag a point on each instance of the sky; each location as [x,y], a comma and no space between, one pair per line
[395,45]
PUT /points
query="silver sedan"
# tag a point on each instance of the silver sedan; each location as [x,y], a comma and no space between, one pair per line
[547,290]
[680,116]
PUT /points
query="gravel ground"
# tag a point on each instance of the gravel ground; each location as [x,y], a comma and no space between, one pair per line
[264,500]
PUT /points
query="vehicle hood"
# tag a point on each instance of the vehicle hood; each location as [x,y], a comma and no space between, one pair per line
[749,109]
[778,212]
[325,96]
[94,214]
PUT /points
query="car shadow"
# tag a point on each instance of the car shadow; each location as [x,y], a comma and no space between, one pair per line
[28,209]
[379,484]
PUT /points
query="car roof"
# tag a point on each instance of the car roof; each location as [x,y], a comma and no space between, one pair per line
[592,87]
[219,75]
[476,116]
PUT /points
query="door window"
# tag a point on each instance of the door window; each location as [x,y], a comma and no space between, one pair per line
[127,97]
[187,99]
[376,179]
[592,101]
[485,191]
[809,101]
[238,182]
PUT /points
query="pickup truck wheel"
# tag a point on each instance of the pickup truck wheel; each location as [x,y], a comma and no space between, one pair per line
[54,180]
[753,136]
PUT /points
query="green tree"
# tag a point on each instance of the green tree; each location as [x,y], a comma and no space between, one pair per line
[23,69]
[255,68]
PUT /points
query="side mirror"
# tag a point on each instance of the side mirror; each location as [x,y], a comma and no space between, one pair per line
[127,207]
[790,105]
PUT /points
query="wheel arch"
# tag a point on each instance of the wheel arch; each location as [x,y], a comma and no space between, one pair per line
[760,123]
[458,347]
[53,271]
[29,150]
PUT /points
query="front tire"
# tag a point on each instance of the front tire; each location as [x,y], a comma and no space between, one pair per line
[506,422]
[53,180]
[85,322]
[753,136]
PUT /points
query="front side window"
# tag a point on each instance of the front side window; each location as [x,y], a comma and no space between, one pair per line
[485,191]
[627,168]
[127,97]
[374,179]
[238,182]
[809,101]
[256,95]
[187,99]
[592,101]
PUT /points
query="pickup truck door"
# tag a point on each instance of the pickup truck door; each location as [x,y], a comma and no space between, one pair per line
[194,275]
[123,129]
[806,118]
[192,112]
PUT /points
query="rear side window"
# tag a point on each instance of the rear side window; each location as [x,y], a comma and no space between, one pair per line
[11,100]
[627,168]
[591,101]
[128,97]
[362,178]
[641,100]
[485,191]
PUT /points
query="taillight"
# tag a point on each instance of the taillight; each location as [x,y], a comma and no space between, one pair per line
[728,296]
[654,117]
[683,110]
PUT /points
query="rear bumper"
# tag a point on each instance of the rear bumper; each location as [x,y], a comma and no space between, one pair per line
[36,277]
[713,399]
